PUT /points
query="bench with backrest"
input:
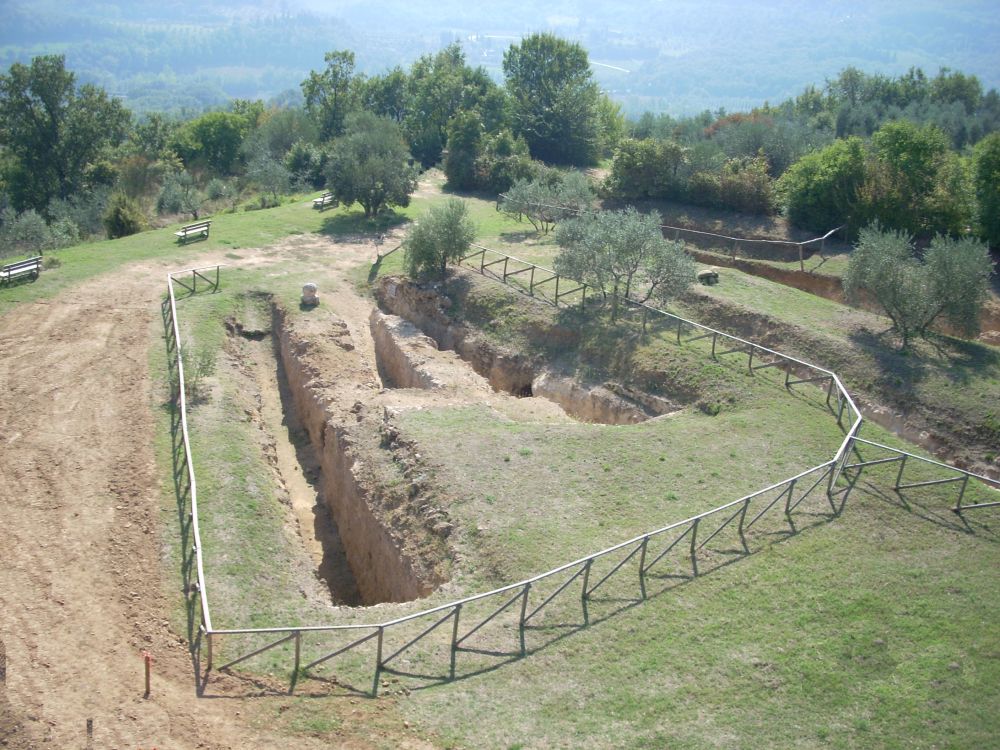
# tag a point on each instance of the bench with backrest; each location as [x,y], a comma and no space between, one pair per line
[325,200]
[198,229]
[31,267]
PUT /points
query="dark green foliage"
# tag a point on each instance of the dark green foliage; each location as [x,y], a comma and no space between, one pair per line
[212,141]
[741,185]
[439,87]
[647,168]
[987,185]
[950,282]
[122,217]
[330,94]
[820,190]
[441,236]
[554,99]
[306,163]
[370,165]
[465,135]
[914,182]
[53,132]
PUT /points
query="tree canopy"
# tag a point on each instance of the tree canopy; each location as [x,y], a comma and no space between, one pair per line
[625,254]
[370,165]
[53,132]
[441,236]
[950,282]
[554,99]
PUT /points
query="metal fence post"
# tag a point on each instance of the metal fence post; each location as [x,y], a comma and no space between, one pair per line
[899,474]
[298,651]
[531,285]
[743,518]
[715,337]
[583,593]
[208,636]
[750,361]
[961,494]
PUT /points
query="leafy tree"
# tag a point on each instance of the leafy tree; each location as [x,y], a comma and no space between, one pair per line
[465,134]
[28,232]
[180,194]
[986,167]
[951,282]
[913,182]
[305,163]
[385,95]
[52,131]
[123,217]
[502,161]
[330,94]
[439,87]
[213,140]
[548,198]
[646,168]
[623,252]
[442,235]
[270,175]
[370,164]
[554,99]
[820,190]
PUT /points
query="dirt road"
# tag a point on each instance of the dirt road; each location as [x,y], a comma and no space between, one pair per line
[82,585]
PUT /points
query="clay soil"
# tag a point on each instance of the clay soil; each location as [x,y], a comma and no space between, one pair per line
[83,588]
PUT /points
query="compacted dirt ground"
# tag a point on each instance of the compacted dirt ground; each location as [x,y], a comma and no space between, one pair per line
[82,585]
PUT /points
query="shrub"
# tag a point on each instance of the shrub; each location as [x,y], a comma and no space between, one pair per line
[123,217]
[442,235]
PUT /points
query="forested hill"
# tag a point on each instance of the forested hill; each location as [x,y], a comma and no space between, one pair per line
[682,56]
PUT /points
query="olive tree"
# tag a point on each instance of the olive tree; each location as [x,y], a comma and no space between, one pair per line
[370,164]
[950,282]
[441,236]
[625,254]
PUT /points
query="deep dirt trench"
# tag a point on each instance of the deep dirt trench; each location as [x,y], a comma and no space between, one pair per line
[326,392]
[299,472]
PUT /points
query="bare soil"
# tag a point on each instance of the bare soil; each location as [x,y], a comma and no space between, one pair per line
[83,586]
[83,590]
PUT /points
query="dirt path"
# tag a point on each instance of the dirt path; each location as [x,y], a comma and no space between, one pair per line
[81,576]
[83,590]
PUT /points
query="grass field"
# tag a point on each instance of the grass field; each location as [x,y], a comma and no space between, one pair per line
[871,628]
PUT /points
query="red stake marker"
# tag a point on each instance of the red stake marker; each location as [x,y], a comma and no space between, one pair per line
[148,659]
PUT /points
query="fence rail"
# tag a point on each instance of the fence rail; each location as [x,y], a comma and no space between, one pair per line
[732,244]
[526,599]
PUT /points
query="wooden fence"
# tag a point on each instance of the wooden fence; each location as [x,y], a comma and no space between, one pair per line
[513,611]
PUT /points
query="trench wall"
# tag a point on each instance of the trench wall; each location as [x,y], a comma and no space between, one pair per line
[382,571]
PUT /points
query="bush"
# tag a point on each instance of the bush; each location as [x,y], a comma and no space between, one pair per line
[28,233]
[123,217]
[443,234]
[951,281]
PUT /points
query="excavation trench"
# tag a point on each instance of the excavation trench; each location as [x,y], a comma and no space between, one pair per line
[357,492]
[415,324]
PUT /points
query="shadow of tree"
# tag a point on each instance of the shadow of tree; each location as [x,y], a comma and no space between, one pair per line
[356,223]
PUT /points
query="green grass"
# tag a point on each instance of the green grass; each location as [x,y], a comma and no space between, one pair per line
[870,629]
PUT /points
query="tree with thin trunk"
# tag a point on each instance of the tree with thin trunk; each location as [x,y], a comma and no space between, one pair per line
[625,254]
[441,236]
[949,283]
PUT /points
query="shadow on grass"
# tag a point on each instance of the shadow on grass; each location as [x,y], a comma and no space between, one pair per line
[355,223]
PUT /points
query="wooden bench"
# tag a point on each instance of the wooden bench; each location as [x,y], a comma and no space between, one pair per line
[31,267]
[325,200]
[198,229]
